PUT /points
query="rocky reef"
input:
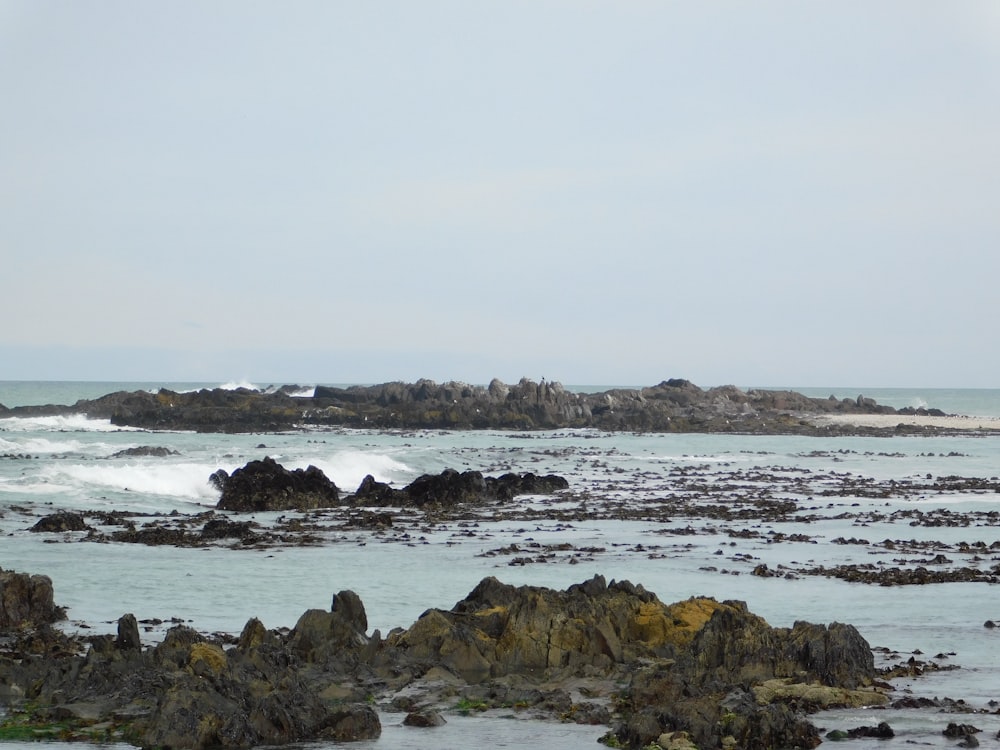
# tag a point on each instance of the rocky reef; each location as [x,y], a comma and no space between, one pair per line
[674,405]
[696,673]
[267,485]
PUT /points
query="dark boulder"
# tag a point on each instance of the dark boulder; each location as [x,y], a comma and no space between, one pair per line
[424,718]
[156,451]
[267,485]
[58,522]
[447,488]
[371,492]
[26,601]
[882,732]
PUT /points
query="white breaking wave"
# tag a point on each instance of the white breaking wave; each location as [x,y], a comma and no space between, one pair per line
[347,468]
[187,481]
[233,385]
[41,445]
[62,423]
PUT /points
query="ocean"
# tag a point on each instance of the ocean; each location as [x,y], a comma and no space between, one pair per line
[69,463]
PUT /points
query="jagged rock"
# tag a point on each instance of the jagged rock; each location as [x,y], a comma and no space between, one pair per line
[674,405]
[453,488]
[371,492]
[128,634]
[503,642]
[26,601]
[267,485]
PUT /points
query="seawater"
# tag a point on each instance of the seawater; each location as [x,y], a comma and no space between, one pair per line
[53,464]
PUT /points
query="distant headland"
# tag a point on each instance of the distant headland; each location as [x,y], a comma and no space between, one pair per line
[674,405]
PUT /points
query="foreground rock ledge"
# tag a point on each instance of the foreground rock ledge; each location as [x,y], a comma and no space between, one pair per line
[706,672]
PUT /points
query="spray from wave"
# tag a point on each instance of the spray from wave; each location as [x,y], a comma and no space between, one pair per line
[187,481]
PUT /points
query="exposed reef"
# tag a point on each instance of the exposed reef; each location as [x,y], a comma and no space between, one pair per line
[671,406]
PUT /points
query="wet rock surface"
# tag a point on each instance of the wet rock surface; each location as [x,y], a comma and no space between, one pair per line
[691,666]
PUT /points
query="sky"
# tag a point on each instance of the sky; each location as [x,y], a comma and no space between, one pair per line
[620,192]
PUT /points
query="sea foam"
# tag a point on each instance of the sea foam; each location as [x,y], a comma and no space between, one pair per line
[60,423]
[42,445]
[347,468]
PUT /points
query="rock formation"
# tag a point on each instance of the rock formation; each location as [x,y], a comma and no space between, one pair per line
[674,405]
[267,485]
[705,672]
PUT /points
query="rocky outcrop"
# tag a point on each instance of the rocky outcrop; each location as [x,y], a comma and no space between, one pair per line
[451,487]
[692,662]
[674,405]
[142,451]
[63,521]
[267,485]
[698,672]
[26,601]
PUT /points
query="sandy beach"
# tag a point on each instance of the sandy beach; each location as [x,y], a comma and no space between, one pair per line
[952,422]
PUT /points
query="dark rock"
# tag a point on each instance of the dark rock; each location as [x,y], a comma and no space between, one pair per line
[424,718]
[674,405]
[157,451]
[370,492]
[673,661]
[128,634]
[58,522]
[447,488]
[960,730]
[883,732]
[26,601]
[351,724]
[349,606]
[266,485]
[223,528]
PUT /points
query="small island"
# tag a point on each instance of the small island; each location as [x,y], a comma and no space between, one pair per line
[674,405]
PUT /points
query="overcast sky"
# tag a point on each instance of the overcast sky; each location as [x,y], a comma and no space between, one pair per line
[757,193]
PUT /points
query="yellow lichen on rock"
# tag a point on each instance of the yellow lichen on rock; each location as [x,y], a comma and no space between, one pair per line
[675,624]
[815,694]
[676,741]
[207,658]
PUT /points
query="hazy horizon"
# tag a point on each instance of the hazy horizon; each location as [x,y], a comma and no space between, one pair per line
[593,192]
